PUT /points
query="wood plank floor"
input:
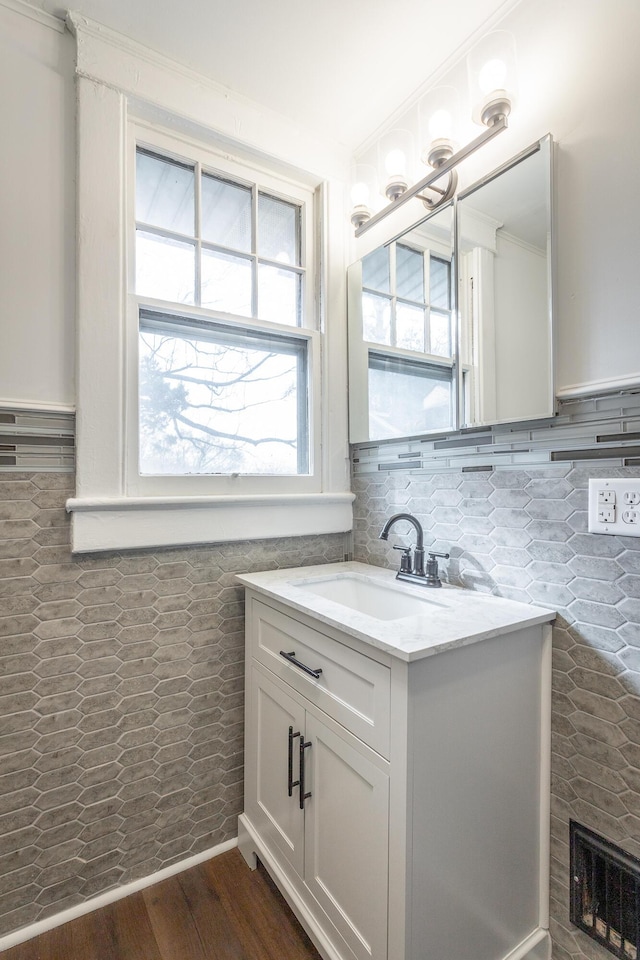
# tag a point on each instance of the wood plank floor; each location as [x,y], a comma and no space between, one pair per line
[219,910]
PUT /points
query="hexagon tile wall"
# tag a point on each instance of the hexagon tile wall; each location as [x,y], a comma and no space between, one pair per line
[523,534]
[121,699]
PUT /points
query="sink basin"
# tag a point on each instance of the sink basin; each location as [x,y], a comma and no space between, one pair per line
[375,599]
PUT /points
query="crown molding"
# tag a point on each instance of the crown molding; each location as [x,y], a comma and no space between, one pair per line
[34,13]
[150,77]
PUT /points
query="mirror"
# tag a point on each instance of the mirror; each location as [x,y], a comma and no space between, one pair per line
[445,335]
[504,291]
[402,335]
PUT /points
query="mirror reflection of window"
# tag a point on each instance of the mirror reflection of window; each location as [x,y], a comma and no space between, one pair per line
[402,335]
[406,299]
[408,397]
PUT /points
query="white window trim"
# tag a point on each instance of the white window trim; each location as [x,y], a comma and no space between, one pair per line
[107,512]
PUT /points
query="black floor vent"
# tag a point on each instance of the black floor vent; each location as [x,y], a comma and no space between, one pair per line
[605,892]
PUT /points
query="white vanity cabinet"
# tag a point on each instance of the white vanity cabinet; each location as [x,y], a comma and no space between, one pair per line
[419,830]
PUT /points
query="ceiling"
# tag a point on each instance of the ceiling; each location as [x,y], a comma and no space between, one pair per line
[340,67]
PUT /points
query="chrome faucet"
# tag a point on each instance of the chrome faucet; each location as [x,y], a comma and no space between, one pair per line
[414,572]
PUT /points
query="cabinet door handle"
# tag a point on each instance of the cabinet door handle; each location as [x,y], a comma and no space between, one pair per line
[303,795]
[291,782]
[291,658]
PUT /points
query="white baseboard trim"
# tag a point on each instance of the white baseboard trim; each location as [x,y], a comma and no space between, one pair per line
[537,946]
[104,899]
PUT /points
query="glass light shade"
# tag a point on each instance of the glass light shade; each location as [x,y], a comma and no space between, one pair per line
[440,125]
[396,162]
[438,115]
[492,76]
[364,193]
[492,72]
[360,194]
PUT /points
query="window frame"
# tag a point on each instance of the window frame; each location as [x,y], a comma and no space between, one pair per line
[152,138]
[118,83]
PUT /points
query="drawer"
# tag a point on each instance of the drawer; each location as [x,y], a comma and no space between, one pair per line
[352,688]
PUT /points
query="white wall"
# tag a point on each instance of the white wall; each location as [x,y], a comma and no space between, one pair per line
[37,212]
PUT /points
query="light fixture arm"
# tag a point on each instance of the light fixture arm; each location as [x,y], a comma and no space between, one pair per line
[445,195]
[497,125]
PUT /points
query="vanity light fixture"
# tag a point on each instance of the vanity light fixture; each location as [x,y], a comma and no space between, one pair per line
[491,69]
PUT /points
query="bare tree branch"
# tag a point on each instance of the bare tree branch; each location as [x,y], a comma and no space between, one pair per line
[231,436]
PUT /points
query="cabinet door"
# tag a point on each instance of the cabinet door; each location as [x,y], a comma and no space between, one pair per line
[346,836]
[273,761]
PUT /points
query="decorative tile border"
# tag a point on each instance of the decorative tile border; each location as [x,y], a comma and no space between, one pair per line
[36,440]
[589,428]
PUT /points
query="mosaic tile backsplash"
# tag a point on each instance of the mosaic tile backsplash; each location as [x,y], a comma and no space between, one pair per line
[121,701]
[523,534]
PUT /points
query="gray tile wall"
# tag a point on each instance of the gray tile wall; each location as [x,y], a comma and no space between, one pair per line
[121,701]
[523,534]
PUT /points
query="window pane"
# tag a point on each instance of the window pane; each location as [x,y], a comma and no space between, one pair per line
[165,268]
[409,273]
[375,270]
[279,297]
[409,327]
[440,334]
[278,230]
[407,398]
[221,401]
[226,283]
[440,291]
[164,193]
[226,213]
[376,319]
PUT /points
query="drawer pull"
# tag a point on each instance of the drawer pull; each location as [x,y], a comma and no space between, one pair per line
[303,795]
[291,782]
[291,658]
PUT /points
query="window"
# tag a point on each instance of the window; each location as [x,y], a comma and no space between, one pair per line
[223,389]
[407,321]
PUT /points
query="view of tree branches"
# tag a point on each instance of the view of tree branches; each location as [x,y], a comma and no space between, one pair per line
[210,406]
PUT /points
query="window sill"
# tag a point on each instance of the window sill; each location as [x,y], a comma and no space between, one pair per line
[127,523]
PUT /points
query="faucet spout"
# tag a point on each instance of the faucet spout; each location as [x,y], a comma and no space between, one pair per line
[418,554]
[384,534]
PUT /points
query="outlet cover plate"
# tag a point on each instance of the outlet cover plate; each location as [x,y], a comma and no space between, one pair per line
[619,515]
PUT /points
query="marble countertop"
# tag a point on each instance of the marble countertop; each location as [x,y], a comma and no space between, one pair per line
[453,617]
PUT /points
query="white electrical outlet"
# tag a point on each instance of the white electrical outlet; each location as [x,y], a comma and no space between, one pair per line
[614,507]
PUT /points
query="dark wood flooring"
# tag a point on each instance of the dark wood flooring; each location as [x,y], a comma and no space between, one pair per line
[219,910]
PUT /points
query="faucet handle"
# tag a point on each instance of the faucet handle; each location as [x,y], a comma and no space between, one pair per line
[405,559]
[433,575]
